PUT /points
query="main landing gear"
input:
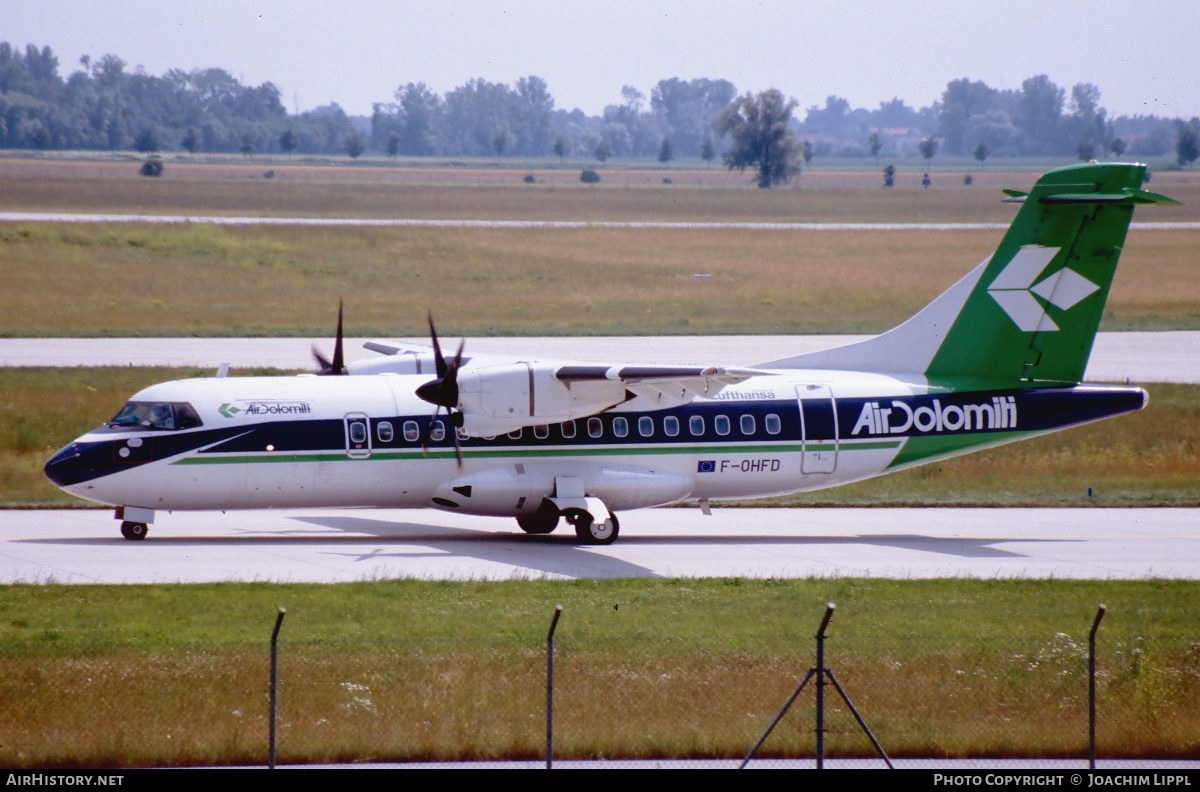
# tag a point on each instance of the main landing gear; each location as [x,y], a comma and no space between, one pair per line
[134,530]
[591,532]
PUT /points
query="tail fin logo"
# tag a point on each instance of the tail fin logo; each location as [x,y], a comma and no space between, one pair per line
[1014,289]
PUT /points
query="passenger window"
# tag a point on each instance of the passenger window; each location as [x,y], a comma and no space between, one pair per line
[721,424]
[437,433]
[595,427]
[568,429]
[541,431]
[671,425]
[412,432]
[748,424]
[696,425]
[358,432]
[620,427]
[515,434]
[383,430]
[462,433]
[772,424]
[645,426]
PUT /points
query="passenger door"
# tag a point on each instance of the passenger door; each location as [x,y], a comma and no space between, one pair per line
[358,435]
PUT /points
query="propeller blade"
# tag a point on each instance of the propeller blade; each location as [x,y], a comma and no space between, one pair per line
[439,361]
[322,363]
[339,362]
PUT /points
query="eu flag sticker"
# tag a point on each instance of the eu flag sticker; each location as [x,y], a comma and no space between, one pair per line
[709,466]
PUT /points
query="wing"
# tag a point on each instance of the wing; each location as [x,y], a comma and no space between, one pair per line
[662,385]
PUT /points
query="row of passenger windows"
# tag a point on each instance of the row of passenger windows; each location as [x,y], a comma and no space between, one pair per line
[619,427]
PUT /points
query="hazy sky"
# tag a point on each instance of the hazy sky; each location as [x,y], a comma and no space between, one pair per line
[1141,53]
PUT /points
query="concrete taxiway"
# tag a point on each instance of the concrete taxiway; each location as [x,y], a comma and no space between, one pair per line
[83,546]
[1172,356]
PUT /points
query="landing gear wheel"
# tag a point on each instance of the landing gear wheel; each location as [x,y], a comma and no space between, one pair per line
[134,530]
[538,523]
[591,532]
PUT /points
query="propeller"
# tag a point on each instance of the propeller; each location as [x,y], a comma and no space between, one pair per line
[442,392]
[338,364]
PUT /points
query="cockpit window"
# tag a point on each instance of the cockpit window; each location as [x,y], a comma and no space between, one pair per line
[168,416]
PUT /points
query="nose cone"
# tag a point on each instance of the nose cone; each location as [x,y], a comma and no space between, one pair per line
[65,468]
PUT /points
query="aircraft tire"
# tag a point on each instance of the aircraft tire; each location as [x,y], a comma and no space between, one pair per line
[589,531]
[538,523]
[135,531]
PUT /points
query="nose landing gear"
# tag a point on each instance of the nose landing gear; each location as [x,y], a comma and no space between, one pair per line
[134,530]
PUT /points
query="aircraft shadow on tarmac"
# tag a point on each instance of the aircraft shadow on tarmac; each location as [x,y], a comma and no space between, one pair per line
[558,554]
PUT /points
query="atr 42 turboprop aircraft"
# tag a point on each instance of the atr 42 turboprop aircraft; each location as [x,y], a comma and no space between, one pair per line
[996,358]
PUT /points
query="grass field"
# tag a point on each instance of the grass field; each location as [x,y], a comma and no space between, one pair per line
[1149,458]
[96,280]
[408,670]
[839,192]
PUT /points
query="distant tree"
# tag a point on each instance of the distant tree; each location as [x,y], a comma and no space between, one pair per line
[561,146]
[603,152]
[981,152]
[147,141]
[41,138]
[708,152]
[806,151]
[874,145]
[589,176]
[355,145]
[1187,144]
[889,176]
[288,141]
[968,180]
[928,148]
[762,137]
[190,141]
[1117,146]
[153,166]
[248,146]
[500,143]
[1085,151]
[666,152]
[393,145]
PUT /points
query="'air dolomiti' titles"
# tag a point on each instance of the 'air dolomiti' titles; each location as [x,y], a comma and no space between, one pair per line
[999,413]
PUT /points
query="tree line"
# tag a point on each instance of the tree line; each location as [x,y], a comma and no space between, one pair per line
[105,106]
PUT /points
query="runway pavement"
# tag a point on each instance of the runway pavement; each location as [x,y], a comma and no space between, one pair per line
[330,545]
[1116,357]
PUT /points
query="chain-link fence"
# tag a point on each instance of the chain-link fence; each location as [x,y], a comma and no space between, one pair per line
[640,696]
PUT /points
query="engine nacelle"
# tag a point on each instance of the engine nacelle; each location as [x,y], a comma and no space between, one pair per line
[499,399]
[399,363]
[516,489]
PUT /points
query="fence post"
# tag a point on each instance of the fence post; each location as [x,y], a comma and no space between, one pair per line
[821,686]
[550,686]
[274,680]
[1092,688]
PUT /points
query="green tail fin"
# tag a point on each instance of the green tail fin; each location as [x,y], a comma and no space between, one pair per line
[1033,313]
[1030,312]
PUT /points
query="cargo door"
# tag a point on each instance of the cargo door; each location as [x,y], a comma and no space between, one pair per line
[818,429]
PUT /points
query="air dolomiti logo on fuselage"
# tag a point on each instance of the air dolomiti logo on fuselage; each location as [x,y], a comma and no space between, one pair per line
[264,407]
[999,413]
